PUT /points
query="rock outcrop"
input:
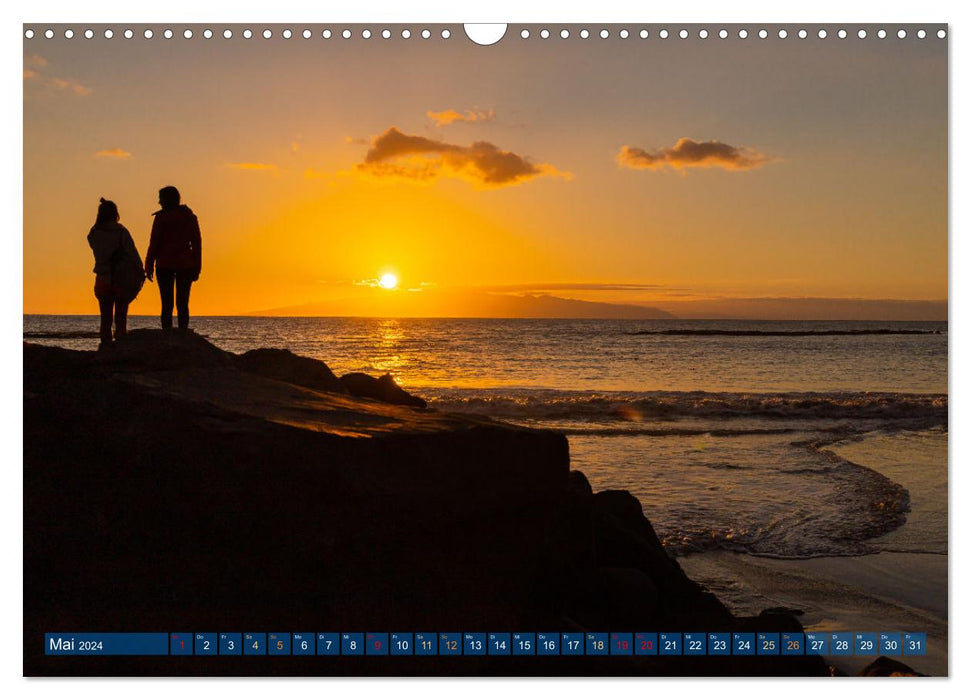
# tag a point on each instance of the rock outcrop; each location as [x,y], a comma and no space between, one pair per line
[169,485]
[885,667]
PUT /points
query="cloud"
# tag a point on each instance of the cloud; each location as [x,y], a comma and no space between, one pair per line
[574,286]
[33,65]
[394,154]
[313,174]
[116,153]
[446,117]
[687,153]
[71,86]
[259,167]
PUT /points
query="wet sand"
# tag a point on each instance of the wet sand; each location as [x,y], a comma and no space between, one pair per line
[880,592]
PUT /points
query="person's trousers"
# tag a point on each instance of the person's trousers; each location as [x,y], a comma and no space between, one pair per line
[111,307]
[174,286]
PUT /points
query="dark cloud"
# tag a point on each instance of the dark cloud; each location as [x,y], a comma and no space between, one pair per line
[396,154]
[687,153]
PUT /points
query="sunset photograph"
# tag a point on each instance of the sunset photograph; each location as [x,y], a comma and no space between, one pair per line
[631,336]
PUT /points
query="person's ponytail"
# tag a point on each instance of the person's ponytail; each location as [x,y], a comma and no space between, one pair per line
[107,213]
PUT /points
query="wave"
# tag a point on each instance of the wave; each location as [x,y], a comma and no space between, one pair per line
[788,334]
[672,405]
[860,505]
[60,335]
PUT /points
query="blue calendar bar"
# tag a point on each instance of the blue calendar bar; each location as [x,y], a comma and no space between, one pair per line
[915,643]
[304,644]
[426,644]
[548,643]
[106,644]
[817,643]
[619,644]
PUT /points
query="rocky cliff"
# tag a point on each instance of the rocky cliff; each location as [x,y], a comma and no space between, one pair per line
[172,486]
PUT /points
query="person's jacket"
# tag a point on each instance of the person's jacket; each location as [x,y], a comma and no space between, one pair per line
[176,242]
[105,239]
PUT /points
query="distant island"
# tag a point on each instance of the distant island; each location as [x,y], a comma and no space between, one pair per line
[472,304]
[483,303]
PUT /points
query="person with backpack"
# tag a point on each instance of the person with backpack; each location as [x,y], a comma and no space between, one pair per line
[118,271]
[174,254]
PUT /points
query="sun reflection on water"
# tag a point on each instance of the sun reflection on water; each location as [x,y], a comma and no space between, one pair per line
[388,357]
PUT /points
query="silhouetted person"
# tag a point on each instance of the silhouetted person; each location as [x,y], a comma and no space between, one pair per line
[174,254]
[118,267]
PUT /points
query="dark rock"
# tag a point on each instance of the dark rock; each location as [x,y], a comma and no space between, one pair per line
[160,350]
[632,598]
[884,667]
[580,486]
[285,366]
[623,537]
[157,350]
[782,610]
[383,388]
[186,488]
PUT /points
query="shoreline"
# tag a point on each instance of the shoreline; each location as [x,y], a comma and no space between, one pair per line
[886,591]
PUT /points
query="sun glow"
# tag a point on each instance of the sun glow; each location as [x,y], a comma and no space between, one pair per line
[388,281]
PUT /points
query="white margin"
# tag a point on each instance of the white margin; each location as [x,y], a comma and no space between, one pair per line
[439,11]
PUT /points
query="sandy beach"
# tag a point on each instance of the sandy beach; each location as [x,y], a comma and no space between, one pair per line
[880,592]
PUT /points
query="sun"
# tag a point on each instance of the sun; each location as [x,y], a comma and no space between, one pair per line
[388,281]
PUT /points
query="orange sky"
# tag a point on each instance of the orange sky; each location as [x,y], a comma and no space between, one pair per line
[636,172]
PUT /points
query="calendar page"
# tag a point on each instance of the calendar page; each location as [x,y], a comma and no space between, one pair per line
[485,350]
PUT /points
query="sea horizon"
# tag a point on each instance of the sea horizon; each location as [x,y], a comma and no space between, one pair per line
[534,318]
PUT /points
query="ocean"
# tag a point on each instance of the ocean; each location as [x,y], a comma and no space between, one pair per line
[767,438]
[772,457]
